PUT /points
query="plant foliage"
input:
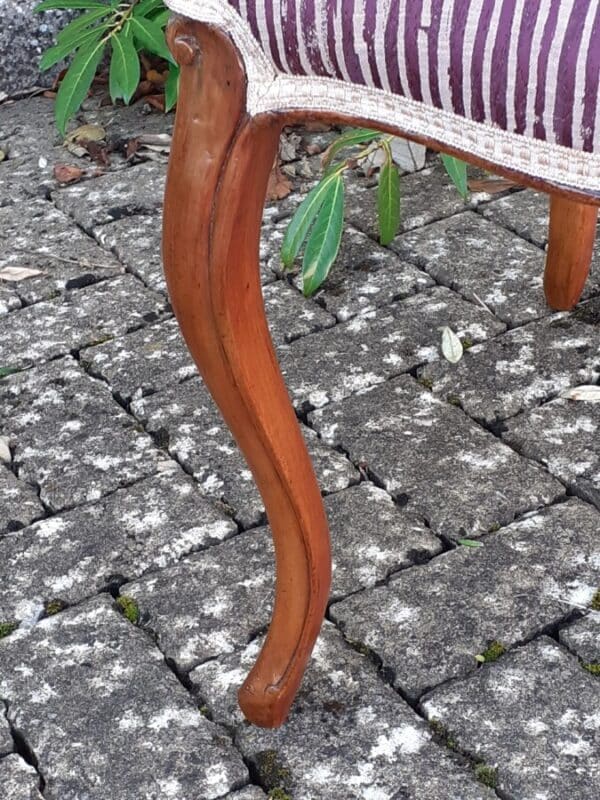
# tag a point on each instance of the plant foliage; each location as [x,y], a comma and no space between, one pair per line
[120,30]
[317,225]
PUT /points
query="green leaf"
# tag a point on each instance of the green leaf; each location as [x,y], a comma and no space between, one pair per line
[124,74]
[388,201]
[299,226]
[151,37]
[470,543]
[74,28]
[147,7]
[60,51]
[349,139]
[172,87]
[457,170]
[162,17]
[4,371]
[325,238]
[50,5]
[77,81]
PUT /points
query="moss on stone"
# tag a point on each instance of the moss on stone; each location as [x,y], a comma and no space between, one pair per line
[279,794]
[492,652]
[494,527]
[426,382]
[273,773]
[467,342]
[593,668]
[486,775]
[52,607]
[129,608]
[595,604]
[453,399]
[6,628]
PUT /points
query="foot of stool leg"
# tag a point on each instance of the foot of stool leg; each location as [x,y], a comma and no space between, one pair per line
[219,168]
[570,246]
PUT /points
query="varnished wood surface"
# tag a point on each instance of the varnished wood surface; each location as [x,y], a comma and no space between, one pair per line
[570,247]
[219,167]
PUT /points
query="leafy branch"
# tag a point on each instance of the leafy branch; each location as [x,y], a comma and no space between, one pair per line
[316,227]
[123,28]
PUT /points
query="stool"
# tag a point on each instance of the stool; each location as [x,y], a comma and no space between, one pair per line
[506,85]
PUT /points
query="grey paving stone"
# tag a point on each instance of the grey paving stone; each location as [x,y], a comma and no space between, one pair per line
[142,362]
[290,315]
[445,468]
[349,736]
[565,437]
[583,638]
[527,213]
[22,179]
[134,190]
[371,538]
[249,793]
[378,345]
[427,195]
[522,368]
[35,234]
[140,529]
[535,715]
[19,504]
[478,258]
[199,611]
[136,241]
[185,419]
[6,740]
[70,438]
[117,722]
[18,780]
[365,277]
[430,622]
[9,299]
[76,319]
[27,127]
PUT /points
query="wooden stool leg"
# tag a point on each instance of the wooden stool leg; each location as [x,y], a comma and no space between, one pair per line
[218,173]
[570,246]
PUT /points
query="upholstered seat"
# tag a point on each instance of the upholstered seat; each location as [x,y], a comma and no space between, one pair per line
[498,78]
[507,84]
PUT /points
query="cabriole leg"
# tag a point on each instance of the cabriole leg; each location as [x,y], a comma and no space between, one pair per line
[218,172]
[570,245]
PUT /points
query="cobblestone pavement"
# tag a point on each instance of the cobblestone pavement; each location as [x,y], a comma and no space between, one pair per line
[135,562]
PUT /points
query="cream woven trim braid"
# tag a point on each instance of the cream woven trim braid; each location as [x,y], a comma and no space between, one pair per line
[269,90]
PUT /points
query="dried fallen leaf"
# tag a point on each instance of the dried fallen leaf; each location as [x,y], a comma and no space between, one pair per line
[2,154]
[279,185]
[67,173]
[491,185]
[87,133]
[14,274]
[98,152]
[585,394]
[452,347]
[156,101]
[5,454]
[132,147]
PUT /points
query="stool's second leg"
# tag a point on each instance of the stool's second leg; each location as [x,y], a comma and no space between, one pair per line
[218,172]
[570,245]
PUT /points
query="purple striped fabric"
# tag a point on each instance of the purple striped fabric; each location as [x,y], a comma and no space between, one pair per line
[527,66]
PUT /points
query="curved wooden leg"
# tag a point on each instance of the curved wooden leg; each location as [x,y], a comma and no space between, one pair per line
[219,167]
[570,246]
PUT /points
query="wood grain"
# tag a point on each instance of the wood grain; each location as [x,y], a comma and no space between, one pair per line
[219,167]
[570,246]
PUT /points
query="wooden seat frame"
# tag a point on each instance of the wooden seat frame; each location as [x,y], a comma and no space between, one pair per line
[219,167]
